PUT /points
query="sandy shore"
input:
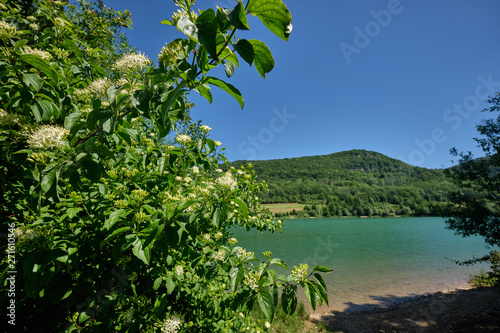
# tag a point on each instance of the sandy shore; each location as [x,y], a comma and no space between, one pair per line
[463,309]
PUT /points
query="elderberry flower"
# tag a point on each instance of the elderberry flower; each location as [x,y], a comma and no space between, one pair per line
[179,270]
[133,62]
[205,128]
[48,136]
[300,273]
[219,255]
[7,30]
[183,139]
[139,195]
[252,280]
[99,86]
[171,325]
[61,23]
[37,52]
[218,235]
[227,181]
[141,217]
[168,54]
[7,119]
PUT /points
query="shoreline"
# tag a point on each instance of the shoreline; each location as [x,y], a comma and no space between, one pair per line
[461,309]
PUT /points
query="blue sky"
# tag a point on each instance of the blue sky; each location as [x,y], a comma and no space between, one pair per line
[404,78]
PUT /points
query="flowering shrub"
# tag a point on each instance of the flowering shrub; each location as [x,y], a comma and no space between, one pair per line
[115,230]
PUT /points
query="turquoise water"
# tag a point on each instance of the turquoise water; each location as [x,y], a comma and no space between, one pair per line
[373,257]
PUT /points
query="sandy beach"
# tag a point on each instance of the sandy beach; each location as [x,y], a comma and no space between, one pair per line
[463,309]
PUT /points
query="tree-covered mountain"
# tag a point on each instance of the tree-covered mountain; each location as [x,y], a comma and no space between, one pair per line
[355,182]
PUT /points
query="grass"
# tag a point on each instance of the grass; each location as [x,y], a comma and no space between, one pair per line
[296,323]
[284,207]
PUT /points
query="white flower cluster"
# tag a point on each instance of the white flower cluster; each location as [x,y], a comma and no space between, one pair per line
[219,255]
[217,143]
[227,181]
[168,54]
[196,169]
[171,325]
[7,119]
[252,280]
[48,136]
[179,270]
[300,273]
[61,23]
[242,253]
[133,62]
[232,241]
[183,139]
[7,30]
[205,128]
[99,87]
[37,52]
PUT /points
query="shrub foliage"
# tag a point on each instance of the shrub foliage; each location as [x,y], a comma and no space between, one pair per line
[112,229]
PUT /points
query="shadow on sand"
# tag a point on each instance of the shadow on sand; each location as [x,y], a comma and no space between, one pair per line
[476,310]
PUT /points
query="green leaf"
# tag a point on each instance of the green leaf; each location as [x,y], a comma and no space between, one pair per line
[20,43]
[39,64]
[157,283]
[322,269]
[266,304]
[320,280]
[230,89]
[238,17]
[170,285]
[114,217]
[311,295]
[216,218]
[263,58]
[73,211]
[207,31]
[320,291]
[236,275]
[48,179]
[289,299]
[33,80]
[227,54]
[113,235]
[93,170]
[274,14]
[42,110]
[71,119]
[245,50]
[140,252]
[84,316]
[242,205]
[204,91]
[279,262]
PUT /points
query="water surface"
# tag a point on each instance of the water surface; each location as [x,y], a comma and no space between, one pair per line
[373,257]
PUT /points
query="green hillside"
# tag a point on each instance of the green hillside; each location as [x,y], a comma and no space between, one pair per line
[353,183]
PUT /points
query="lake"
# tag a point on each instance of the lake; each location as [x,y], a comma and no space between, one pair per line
[375,260]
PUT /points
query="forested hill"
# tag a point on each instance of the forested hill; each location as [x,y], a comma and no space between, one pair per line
[355,182]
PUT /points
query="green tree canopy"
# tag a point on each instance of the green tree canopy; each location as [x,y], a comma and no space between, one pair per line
[476,206]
